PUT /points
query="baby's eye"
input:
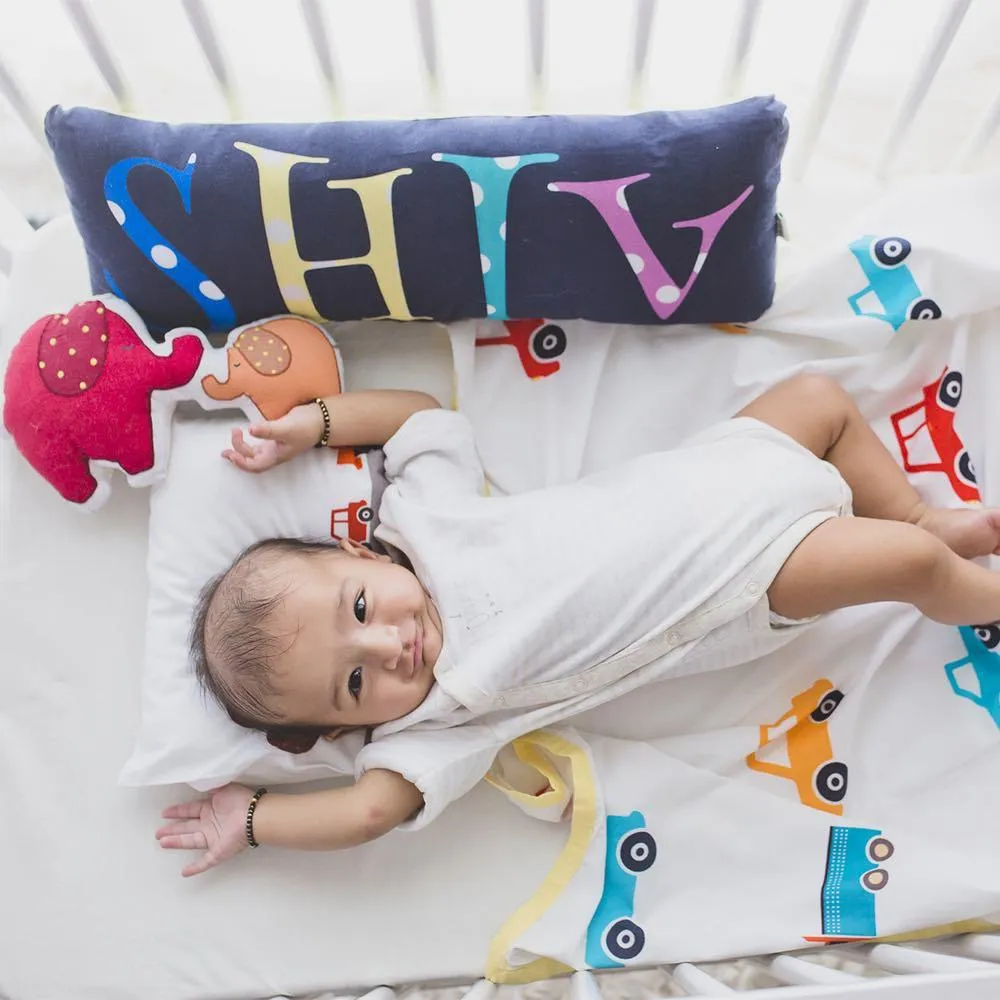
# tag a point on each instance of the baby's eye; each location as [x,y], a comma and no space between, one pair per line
[354,683]
[361,607]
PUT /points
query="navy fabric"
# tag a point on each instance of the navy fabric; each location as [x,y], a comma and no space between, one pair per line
[660,217]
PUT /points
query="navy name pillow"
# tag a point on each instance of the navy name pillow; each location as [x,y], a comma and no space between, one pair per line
[661,217]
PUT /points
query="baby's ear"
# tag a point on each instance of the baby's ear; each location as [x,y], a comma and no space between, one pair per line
[361,550]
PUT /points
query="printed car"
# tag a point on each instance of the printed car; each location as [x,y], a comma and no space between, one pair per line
[613,937]
[935,414]
[354,519]
[980,643]
[890,281]
[820,780]
[537,342]
[854,873]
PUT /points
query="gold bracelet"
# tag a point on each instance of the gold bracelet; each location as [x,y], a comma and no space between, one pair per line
[325,410]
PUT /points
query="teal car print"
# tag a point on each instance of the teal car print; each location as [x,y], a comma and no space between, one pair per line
[890,281]
[854,857]
[613,937]
[980,643]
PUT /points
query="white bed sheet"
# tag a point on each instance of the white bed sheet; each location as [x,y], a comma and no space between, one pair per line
[92,907]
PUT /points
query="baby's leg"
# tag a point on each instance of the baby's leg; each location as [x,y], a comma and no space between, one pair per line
[821,416]
[857,560]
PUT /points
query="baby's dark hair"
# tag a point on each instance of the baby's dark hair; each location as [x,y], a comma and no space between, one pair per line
[234,646]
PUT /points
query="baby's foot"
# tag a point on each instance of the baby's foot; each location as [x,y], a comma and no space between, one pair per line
[967,531]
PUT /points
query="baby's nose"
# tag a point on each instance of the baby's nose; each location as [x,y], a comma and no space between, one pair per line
[388,646]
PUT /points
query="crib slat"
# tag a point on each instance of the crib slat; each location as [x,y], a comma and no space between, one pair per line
[208,39]
[483,990]
[698,983]
[943,36]
[320,40]
[536,48]
[583,986]
[977,141]
[894,958]
[23,108]
[851,16]
[427,31]
[796,972]
[644,11]
[982,946]
[379,993]
[98,50]
[739,56]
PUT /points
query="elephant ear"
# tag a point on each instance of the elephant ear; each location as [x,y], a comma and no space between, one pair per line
[89,389]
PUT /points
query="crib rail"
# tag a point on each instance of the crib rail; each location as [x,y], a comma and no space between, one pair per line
[559,55]
[959,968]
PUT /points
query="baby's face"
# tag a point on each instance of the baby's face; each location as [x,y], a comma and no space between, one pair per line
[364,640]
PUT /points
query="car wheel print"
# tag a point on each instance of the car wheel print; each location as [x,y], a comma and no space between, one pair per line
[624,940]
[637,851]
[365,514]
[827,705]
[949,392]
[875,879]
[925,309]
[831,781]
[549,342]
[880,849]
[891,251]
[964,468]
[988,635]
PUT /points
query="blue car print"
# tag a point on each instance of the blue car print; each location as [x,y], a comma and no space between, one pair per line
[980,642]
[613,937]
[890,281]
[854,855]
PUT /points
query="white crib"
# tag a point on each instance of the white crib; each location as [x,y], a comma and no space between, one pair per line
[879,92]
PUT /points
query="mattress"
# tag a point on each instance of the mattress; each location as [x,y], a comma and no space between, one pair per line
[94,908]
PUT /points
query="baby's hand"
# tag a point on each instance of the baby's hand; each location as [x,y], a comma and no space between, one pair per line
[281,439]
[216,825]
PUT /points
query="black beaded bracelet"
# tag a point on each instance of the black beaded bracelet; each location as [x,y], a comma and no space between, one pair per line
[325,410]
[257,796]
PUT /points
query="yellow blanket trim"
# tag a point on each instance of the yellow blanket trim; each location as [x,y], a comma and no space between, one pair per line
[581,832]
[974,926]
[534,758]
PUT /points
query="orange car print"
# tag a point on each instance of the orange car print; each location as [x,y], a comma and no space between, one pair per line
[821,780]
[941,448]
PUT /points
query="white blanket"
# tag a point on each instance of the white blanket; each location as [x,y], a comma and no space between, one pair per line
[839,788]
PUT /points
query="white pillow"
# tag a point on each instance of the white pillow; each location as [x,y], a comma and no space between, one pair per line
[201,516]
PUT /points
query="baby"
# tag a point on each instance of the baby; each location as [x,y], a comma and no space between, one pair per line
[479,618]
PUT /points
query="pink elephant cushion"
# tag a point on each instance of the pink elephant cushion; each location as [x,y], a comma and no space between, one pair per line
[89,390]
[203,514]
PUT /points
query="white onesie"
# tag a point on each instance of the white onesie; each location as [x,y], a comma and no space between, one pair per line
[538,591]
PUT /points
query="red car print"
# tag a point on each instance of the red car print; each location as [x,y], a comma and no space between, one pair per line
[537,342]
[354,518]
[935,415]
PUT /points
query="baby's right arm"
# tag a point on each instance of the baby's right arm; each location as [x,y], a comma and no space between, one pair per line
[366,417]
[315,821]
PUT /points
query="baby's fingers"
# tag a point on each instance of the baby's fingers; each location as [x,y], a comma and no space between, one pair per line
[184,810]
[206,861]
[184,841]
[181,826]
